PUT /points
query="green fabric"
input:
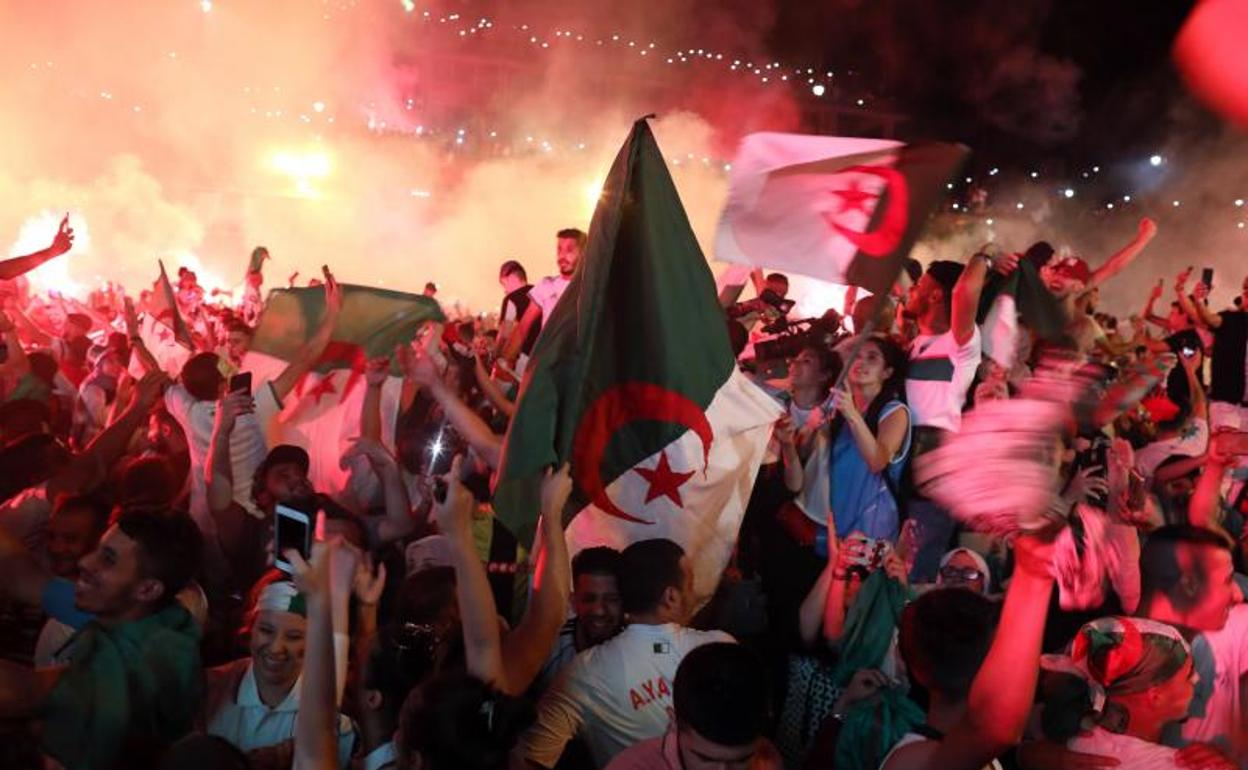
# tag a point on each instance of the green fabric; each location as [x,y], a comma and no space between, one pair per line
[873,726]
[1038,309]
[373,322]
[869,626]
[30,387]
[165,307]
[641,308]
[138,682]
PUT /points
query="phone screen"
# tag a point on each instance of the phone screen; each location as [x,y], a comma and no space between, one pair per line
[1206,277]
[293,530]
[241,382]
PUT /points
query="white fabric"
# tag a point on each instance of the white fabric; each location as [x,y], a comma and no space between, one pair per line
[1192,441]
[910,738]
[938,404]
[615,694]
[547,293]
[247,445]
[1217,718]
[240,717]
[24,517]
[52,639]
[713,498]
[780,204]
[1129,751]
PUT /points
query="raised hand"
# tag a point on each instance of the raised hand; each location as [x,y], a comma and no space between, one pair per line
[150,388]
[843,402]
[1147,229]
[230,407]
[311,577]
[132,319]
[1155,294]
[369,581]
[556,488]
[1180,280]
[1086,484]
[376,371]
[785,431]
[63,241]
[454,513]
[333,292]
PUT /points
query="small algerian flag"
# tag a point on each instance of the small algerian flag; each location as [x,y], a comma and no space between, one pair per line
[633,381]
[256,263]
[322,413]
[164,306]
[834,208]
[1019,298]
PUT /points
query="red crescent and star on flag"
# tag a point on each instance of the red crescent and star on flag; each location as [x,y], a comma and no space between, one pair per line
[613,410]
[887,235]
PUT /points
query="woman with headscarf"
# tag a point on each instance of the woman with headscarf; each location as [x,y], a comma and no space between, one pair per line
[1124,680]
[964,568]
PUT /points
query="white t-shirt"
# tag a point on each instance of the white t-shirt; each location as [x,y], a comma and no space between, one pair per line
[940,374]
[614,695]
[547,293]
[235,712]
[910,738]
[1221,658]
[1192,441]
[1129,751]
[247,445]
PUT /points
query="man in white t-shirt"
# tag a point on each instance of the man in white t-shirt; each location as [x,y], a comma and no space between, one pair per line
[193,402]
[569,246]
[619,693]
[943,360]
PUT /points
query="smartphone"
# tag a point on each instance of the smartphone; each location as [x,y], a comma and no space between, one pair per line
[292,530]
[1189,352]
[241,382]
[1206,277]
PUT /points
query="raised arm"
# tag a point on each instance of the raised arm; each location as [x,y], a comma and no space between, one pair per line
[478,613]
[316,734]
[878,449]
[219,470]
[520,332]
[146,359]
[62,242]
[1125,256]
[91,465]
[1206,504]
[966,292]
[1001,695]
[491,390]
[487,444]
[399,521]
[526,648]
[315,346]
[794,471]
[1198,312]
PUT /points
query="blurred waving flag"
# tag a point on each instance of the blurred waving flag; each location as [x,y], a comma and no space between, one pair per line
[634,383]
[834,208]
[322,413]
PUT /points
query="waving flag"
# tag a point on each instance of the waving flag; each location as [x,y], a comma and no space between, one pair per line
[633,382]
[838,209]
[322,413]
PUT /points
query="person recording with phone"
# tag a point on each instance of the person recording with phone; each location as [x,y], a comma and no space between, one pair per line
[1228,390]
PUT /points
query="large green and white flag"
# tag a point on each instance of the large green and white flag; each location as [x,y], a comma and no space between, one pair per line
[322,413]
[634,383]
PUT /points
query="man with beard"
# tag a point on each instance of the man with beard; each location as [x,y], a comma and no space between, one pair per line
[597,606]
[569,246]
[1073,282]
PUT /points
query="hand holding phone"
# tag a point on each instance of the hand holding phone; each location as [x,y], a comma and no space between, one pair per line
[292,531]
[241,383]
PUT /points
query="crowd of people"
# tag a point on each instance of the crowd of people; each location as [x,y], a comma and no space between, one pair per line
[152,615]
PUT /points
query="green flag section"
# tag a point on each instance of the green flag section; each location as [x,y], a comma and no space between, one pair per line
[839,209]
[1021,298]
[633,382]
[322,413]
[164,307]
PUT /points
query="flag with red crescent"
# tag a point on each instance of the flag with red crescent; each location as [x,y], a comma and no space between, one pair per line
[839,209]
[322,412]
[633,382]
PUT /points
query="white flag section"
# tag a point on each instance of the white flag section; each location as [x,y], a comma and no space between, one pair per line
[677,499]
[322,415]
[159,340]
[803,204]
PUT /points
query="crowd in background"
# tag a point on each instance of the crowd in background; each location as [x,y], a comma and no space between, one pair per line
[144,620]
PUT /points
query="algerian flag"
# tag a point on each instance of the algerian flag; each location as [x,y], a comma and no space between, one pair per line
[322,413]
[834,208]
[633,381]
[159,340]
[1019,298]
[164,306]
